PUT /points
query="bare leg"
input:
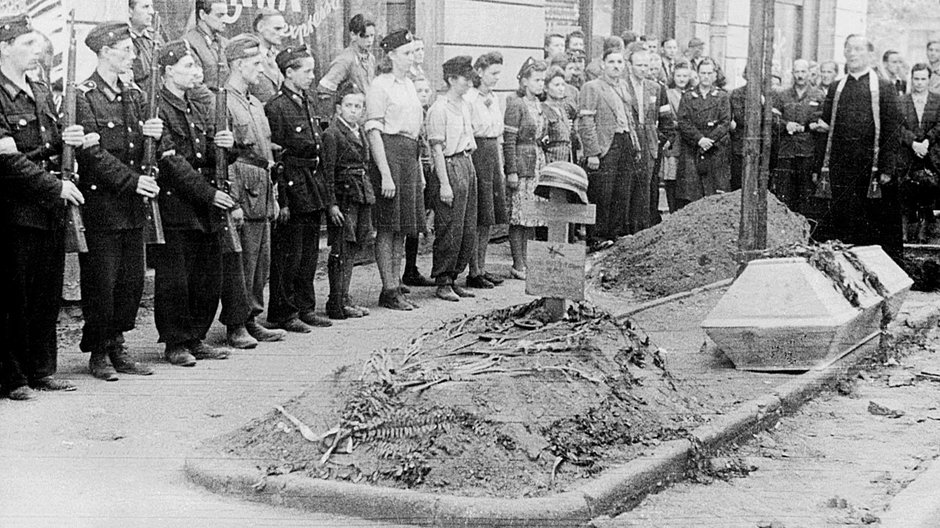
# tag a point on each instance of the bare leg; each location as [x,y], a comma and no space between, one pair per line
[517,245]
[385,259]
[397,254]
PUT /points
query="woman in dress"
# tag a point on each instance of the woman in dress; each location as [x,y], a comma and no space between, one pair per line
[523,157]
[680,82]
[560,115]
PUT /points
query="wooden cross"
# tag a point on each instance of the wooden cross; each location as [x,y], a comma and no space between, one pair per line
[556,268]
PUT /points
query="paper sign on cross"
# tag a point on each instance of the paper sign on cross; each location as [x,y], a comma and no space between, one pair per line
[556,268]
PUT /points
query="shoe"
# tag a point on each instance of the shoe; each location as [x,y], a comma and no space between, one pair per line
[296,326]
[415,278]
[264,335]
[353,312]
[361,309]
[200,350]
[178,355]
[479,282]
[407,299]
[23,393]
[123,363]
[516,274]
[100,368]
[492,278]
[51,384]
[403,289]
[315,319]
[335,311]
[446,292]
[392,300]
[238,337]
[462,292]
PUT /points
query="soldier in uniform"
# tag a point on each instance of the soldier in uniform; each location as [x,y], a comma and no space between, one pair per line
[141,14]
[207,42]
[796,112]
[270,29]
[304,193]
[188,267]
[32,216]
[251,188]
[112,272]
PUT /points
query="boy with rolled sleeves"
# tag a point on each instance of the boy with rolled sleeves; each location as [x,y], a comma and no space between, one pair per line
[345,161]
[450,133]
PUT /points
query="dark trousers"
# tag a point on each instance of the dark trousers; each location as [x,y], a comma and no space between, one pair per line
[737,170]
[793,182]
[294,252]
[33,265]
[455,225]
[607,190]
[187,284]
[236,306]
[112,282]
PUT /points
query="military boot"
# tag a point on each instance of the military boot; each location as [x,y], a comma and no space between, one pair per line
[123,362]
[100,367]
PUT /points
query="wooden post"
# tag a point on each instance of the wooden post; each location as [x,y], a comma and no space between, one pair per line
[753,231]
[557,232]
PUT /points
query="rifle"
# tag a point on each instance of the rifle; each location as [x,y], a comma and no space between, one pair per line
[75,234]
[149,166]
[230,238]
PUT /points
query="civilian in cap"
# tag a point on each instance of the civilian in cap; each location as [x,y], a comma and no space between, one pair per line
[115,215]
[304,193]
[355,64]
[141,15]
[346,162]
[525,125]
[486,117]
[207,42]
[246,274]
[393,124]
[694,52]
[189,266]
[450,133]
[574,70]
[33,239]
[271,29]
[595,69]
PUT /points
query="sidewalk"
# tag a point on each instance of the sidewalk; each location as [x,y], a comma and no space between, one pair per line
[111,454]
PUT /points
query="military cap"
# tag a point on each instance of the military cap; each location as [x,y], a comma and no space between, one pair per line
[460,66]
[13,26]
[242,47]
[172,52]
[107,34]
[397,39]
[290,57]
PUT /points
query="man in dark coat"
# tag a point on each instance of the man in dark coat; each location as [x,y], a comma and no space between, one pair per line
[32,216]
[919,154]
[854,214]
[112,272]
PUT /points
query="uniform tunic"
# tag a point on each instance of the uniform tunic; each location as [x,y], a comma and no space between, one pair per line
[209,53]
[189,266]
[112,272]
[32,248]
[704,173]
[306,192]
[145,44]
[851,216]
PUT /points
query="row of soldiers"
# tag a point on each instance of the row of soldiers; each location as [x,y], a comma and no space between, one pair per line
[199,212]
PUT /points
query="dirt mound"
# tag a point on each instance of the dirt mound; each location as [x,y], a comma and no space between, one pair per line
[500,404]
[690,248]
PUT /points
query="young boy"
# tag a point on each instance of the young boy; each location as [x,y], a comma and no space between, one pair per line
[411,275]
[450,133]
[345,158]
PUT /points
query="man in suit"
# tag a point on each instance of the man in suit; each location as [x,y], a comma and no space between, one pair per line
[919,135]
[611,147]
[654,121]
[207,42]
[893,66]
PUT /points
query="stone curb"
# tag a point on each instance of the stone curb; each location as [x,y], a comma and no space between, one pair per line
[620,487]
